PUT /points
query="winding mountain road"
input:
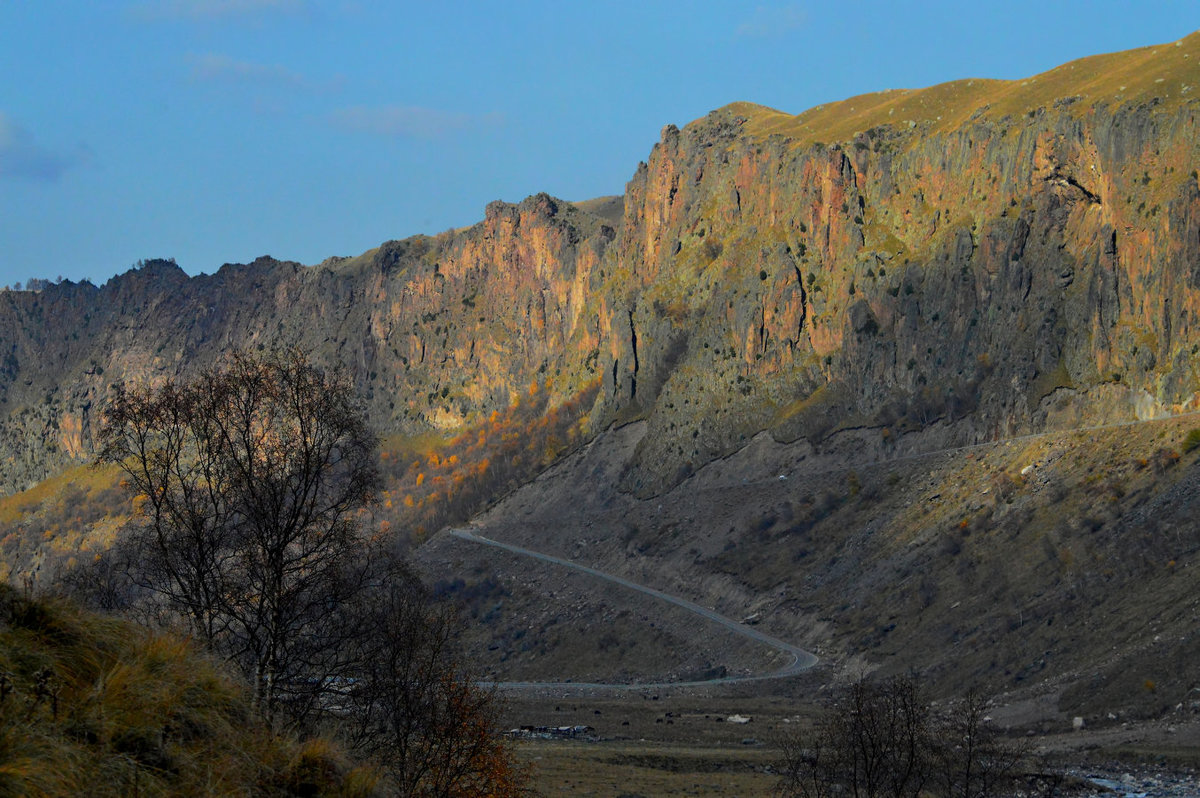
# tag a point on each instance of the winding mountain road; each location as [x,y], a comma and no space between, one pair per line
[801,660]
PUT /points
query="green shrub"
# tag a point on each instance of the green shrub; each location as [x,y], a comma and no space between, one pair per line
[1191,441]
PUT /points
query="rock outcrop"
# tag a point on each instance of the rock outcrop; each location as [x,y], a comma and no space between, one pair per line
[435,331]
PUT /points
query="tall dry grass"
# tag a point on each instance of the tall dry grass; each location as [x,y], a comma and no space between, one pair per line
[91,705]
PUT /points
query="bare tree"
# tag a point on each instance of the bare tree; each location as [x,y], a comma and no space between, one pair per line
[883,739]
[973,762]
[247,481]
[413,707]
[872,741]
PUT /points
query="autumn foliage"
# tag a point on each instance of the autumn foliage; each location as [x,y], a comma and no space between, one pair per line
[447,484]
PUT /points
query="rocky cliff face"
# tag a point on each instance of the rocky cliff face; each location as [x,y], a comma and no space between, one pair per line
[436,331]
[1028,264]
[1005,273]
[966,261]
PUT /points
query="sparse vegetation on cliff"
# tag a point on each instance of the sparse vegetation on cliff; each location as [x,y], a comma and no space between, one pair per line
[431,484]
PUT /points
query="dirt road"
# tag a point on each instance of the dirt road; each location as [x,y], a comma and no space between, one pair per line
[801,660]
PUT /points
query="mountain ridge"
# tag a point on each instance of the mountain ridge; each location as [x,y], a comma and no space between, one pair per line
[756,280]
[789,209]
[1123,77]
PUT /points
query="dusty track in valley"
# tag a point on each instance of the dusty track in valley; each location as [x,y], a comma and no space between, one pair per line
[801,660]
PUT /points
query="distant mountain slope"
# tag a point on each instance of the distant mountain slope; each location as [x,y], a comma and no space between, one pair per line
[960,262]
[1058,570]
[436,331]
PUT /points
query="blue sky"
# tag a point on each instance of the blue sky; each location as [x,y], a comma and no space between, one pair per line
[216,131]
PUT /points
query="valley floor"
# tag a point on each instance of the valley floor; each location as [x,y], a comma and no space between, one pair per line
[682,744]
[1086,559]
[634,768]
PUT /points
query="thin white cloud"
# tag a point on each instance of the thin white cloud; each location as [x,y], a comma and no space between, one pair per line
[407,121]
[215,9]
[771,21]
[223,68]
[269,88]
[21,157]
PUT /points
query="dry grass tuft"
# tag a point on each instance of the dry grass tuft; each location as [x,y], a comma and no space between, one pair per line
[91,705]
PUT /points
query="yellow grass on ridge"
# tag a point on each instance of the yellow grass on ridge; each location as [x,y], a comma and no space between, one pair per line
[1169,72]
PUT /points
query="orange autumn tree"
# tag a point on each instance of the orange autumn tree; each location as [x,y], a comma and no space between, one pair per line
[503,450]
[429,725]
